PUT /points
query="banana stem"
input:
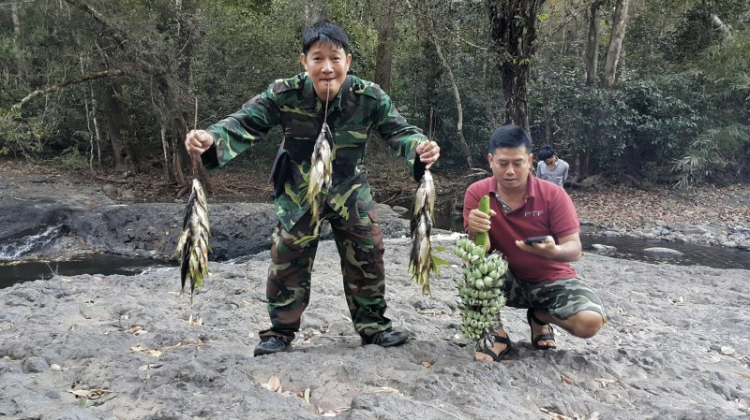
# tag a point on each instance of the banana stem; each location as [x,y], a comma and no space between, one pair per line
[483,238]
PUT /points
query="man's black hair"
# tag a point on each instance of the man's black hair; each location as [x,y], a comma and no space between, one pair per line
[545,152]
[510,136]
[325,32]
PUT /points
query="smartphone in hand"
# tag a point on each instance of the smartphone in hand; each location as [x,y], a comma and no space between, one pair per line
[534,240]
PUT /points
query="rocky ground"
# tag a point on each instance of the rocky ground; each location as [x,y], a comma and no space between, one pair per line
[93,347]
[116,347]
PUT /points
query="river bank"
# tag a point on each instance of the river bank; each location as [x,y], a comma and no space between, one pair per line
[135,214]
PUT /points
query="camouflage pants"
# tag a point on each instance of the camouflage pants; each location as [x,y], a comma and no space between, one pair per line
[360,247]
[560,298]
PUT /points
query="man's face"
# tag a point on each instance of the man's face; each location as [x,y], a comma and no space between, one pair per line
[510,166]
[550,160]
[327,65]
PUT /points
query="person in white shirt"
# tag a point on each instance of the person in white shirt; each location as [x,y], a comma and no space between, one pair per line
[550,167]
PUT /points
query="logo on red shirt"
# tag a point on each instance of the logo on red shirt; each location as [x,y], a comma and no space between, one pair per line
[533,213]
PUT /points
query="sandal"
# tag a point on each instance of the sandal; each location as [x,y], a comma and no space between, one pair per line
[498,339]
[549,336]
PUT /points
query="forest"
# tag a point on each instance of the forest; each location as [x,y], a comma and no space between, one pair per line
[653,92]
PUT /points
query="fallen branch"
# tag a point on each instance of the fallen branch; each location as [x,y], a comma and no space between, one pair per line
[73,81]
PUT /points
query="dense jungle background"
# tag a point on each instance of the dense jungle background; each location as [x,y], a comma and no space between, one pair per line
[645,93]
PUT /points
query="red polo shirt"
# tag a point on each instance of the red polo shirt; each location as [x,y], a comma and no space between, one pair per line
[546,210]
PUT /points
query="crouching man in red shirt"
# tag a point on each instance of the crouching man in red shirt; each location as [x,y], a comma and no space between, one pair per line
[540,277]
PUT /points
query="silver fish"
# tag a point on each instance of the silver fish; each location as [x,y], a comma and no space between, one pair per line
[193,245]
[421,261]
[321,173]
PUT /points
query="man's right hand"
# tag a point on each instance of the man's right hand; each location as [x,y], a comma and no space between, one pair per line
[479,221]
[198,141]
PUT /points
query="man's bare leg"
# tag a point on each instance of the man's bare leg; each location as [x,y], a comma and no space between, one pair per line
[584,324]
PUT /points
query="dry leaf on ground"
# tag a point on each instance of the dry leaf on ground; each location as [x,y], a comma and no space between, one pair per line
[273,385]
[90,394]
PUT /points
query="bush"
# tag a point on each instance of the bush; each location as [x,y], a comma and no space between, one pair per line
[19,135]
[71,158]
[718,155]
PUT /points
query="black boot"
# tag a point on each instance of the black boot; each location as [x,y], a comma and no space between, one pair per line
[270,345]
[387,338]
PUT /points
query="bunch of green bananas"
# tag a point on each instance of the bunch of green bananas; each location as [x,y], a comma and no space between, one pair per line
[480,289]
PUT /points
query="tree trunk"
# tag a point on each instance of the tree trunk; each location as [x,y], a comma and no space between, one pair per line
[590,113]
[619,23]
[514,33]
[118,128]
[384,57]
[431,106]
[547,114]
[456,95]
[97,134]
[185,32]
[314,11]
[17,39]
[592,45]
[168,176]
[179,96]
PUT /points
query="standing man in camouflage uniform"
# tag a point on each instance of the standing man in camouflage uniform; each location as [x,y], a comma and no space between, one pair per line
[355,107]
[540,278]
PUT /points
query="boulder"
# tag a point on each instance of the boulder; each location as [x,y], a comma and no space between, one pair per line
[660,252]
[604,249]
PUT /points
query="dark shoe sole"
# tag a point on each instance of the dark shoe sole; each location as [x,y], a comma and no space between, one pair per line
[391,344]
[395,343]
[262,352]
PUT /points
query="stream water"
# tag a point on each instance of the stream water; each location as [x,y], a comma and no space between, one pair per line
[12,272]
[632,248]
[104,264]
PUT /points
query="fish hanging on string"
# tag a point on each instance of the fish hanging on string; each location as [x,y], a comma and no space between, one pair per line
[422,261]
[193,245]
[321,173]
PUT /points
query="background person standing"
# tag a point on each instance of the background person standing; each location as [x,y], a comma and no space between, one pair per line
[550,167]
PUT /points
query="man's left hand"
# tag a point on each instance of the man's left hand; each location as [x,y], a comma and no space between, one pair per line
[428,152]
[568,248]
[546,249]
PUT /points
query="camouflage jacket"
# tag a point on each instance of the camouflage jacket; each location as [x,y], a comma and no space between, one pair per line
[359,107]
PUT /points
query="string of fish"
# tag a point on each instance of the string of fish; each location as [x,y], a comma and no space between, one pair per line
[193,244]
[421,261]
[320,176]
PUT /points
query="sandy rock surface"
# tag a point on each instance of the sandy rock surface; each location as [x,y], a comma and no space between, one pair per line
[675,348]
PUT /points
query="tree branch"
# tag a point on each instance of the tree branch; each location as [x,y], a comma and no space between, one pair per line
[116,35]
[73,81]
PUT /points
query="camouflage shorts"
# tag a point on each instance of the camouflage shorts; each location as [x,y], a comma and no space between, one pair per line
[561,298]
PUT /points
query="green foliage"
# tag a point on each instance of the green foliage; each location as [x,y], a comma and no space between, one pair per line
[680,84]
[21,136]
[718,155]
[681,101]
[71,159]
[728,65]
